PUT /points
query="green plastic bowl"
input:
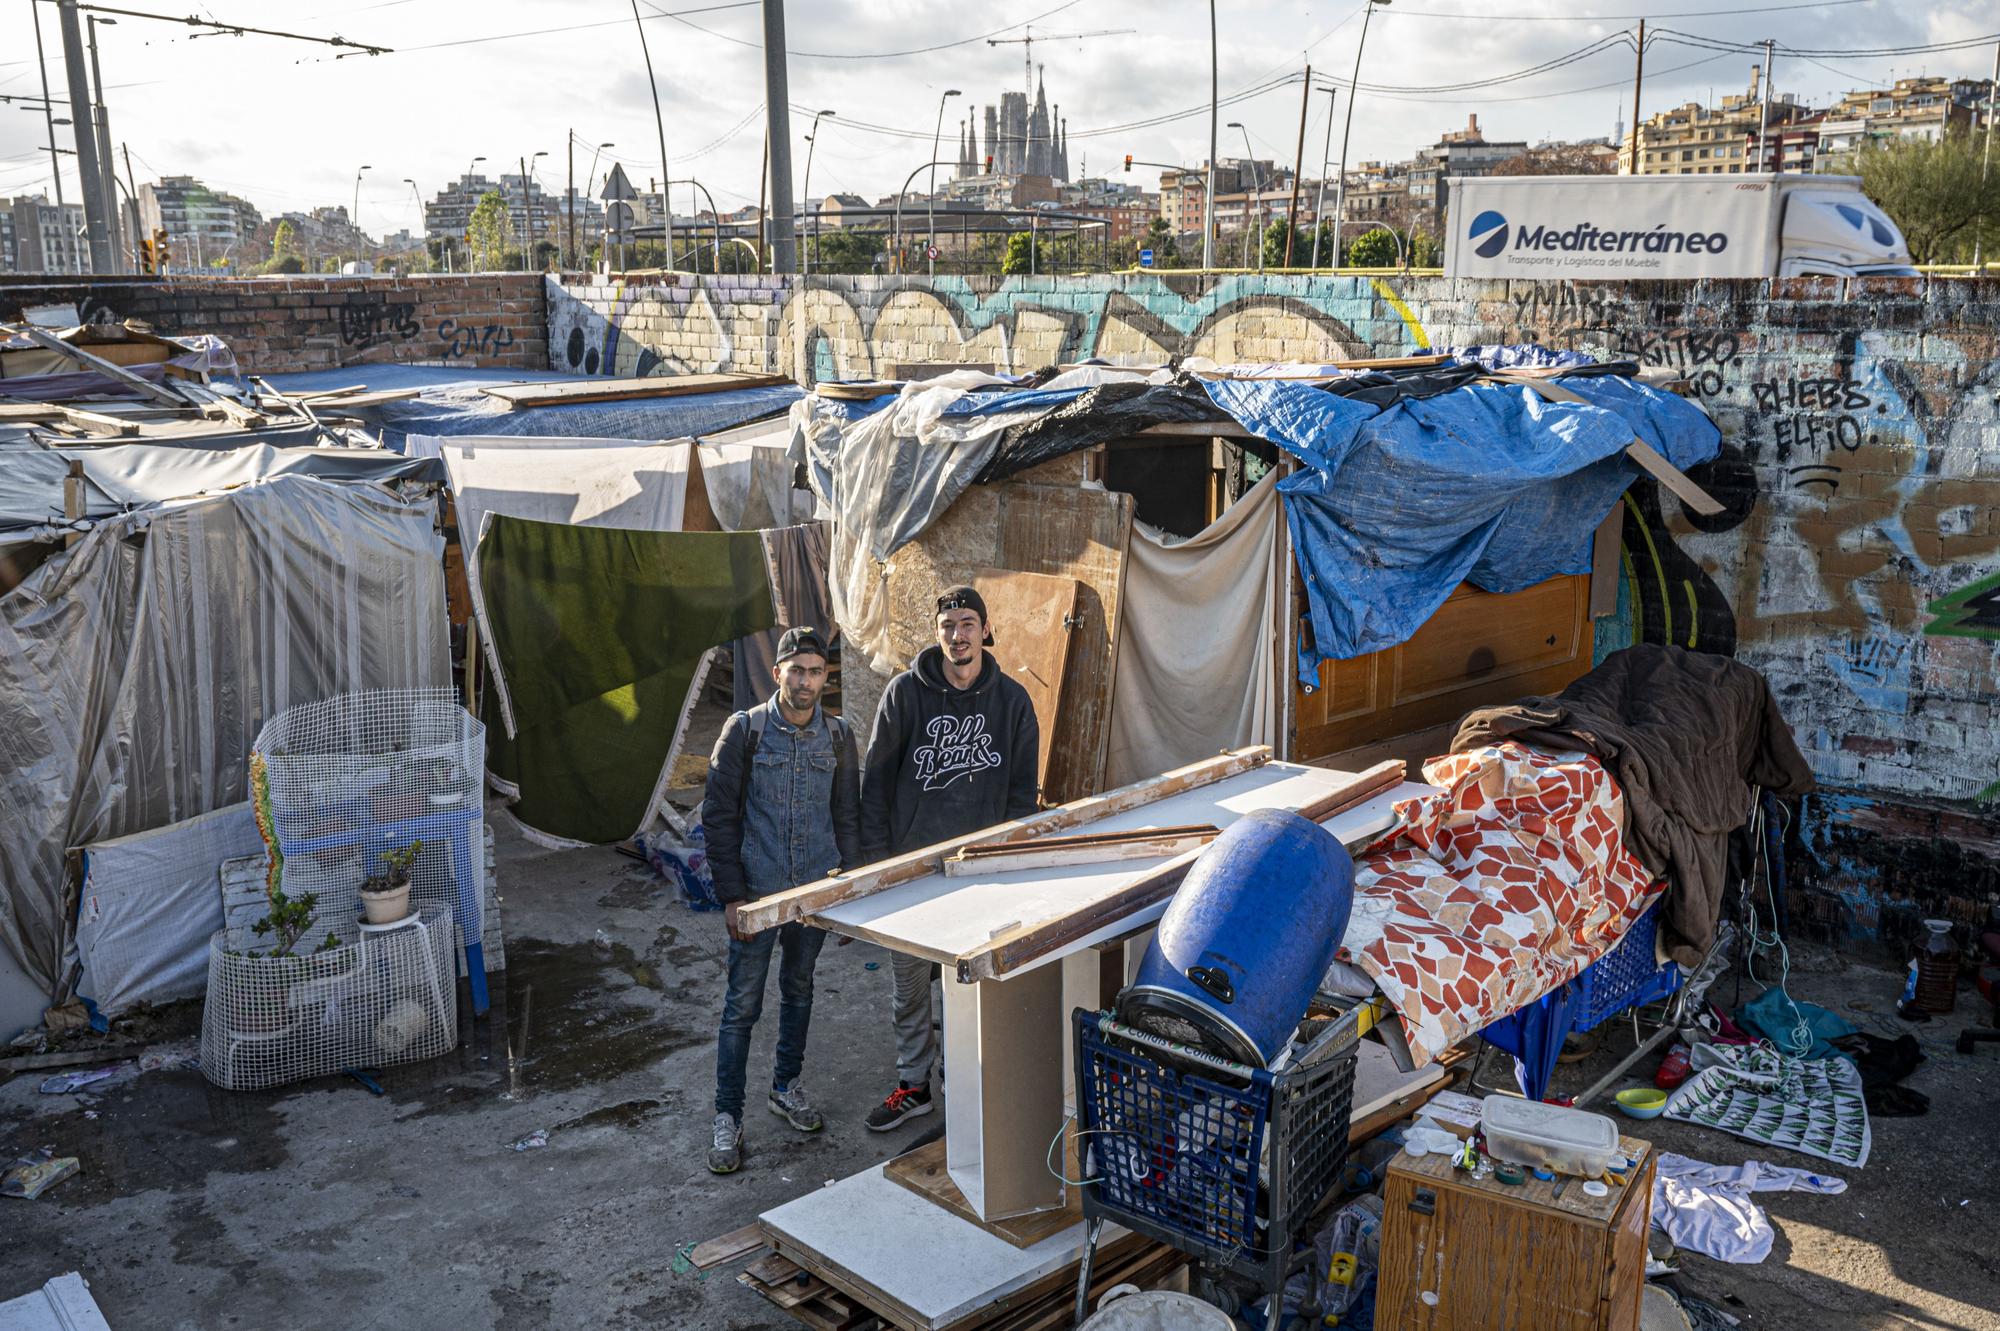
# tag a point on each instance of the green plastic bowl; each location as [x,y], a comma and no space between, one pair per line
[1641,1102]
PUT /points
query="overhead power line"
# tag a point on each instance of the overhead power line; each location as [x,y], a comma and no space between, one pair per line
[1695,39]
[1619,18]
[794,53]
[222,29]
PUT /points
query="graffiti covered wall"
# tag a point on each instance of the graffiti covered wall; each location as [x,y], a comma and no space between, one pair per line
[1856,562]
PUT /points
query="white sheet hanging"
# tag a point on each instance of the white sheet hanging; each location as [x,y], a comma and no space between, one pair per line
[1196,636]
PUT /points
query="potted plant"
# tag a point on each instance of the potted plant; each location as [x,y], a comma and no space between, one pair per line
[385,896]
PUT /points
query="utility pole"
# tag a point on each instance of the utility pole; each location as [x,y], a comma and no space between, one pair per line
[778,123]
[1208,193]
[1986,158]
[569,240]
[763,209]
[660,125]
[48,106]
[95,218]
[105,162]
[1638,79]
[1298,165]
[1353,91]
[132,199]
[1764,111]
[527,223]
[1325,157]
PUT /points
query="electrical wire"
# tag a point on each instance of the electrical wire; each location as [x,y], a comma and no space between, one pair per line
[546,32]
[1681,38]
[1619,18]
[794,53]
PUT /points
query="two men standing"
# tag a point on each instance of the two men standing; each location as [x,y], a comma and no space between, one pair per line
[954,749]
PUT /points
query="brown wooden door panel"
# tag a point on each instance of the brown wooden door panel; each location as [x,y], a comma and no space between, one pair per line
[1031,615]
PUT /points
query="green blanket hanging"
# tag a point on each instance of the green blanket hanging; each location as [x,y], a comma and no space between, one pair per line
[600,632]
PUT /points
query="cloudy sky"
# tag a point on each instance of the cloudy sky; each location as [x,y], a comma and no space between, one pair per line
[287,124]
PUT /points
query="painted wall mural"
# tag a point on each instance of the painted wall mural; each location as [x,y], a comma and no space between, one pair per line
[1856,561]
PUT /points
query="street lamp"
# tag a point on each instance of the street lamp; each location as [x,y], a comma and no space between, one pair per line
[469,171]
[1354,88]
[1208,194]
[806,192]
[930,219]
[528,209]
[355,217]
[423,221]
[1325,160]
[1256,188]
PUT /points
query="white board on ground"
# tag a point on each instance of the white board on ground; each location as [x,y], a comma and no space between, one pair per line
[940,917]
[927,1265]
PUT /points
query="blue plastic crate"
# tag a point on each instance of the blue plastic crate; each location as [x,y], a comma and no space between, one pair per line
[1624,976]
[1181,1154]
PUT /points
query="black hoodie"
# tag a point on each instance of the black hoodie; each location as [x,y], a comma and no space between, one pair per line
[943,761]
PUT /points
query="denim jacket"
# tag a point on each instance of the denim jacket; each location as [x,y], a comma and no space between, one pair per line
[790,814]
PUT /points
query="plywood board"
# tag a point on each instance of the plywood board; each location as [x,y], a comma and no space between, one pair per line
[1004,1101]
[923,1172]
[906,1256]
[1030,615]
[522,397]
[942,918]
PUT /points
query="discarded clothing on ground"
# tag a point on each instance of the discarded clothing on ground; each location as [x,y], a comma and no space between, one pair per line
[1803,1030]
[1707,1208]
[1196,641]
[1882,1064]
[1489,484]
[255,600]
[1491,893]
[601,632]
[1687,735]
[1814,1106]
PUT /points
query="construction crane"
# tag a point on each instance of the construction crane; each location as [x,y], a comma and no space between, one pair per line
[1027,41]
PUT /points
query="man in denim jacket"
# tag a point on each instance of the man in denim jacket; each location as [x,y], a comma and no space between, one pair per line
[783,808]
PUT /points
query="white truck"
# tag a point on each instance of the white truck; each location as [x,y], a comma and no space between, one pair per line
[1669,227]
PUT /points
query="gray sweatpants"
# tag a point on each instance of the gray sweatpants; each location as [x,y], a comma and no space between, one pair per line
[916,1038]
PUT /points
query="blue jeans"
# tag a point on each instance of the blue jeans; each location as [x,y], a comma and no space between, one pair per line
[749,967]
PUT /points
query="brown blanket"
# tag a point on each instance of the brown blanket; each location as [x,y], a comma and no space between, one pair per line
[1687,735]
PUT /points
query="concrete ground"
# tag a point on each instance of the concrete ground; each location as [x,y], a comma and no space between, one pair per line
[321,1204]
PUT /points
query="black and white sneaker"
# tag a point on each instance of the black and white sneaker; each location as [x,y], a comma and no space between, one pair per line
[725,1153]
[791,1105]
[906,1101]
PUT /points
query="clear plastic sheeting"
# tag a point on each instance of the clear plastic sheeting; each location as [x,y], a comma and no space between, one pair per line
[137,668]
[381,995]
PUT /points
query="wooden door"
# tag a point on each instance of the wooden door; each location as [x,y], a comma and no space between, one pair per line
[1032,615]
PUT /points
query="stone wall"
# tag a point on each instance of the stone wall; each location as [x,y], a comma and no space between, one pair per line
[281,324]
[1857,562]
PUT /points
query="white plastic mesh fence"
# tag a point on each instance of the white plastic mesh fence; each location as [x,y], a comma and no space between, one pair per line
[357,775]
[381,996]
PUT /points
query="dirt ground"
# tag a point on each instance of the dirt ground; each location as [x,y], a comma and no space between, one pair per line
[323,1204]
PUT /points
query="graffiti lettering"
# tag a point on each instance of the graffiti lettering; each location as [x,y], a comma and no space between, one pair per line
[1809,395]
[1815,436]
[370,321]
[461,340]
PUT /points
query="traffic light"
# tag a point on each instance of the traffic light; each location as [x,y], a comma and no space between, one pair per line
[153,252]
[1128,164]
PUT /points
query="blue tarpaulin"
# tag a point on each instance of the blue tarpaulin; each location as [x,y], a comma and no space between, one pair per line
[1489,484]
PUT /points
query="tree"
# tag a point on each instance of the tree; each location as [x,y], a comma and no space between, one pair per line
[846,250]
[1025,253]
[1931,188]
[285,243]
[487,233]
[1166,247]
[1375,248]
[1426,251]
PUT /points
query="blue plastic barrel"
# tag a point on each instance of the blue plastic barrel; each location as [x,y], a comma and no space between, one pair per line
[1246,939]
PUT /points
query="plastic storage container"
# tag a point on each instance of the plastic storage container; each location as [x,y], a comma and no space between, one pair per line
[1565,1141]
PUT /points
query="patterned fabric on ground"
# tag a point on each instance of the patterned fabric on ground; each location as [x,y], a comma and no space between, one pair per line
[1810,1105]
[1492,892]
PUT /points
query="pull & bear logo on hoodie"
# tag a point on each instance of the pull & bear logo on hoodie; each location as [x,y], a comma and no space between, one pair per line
[959,746]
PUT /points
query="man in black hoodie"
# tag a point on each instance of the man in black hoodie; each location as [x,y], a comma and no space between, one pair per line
[955,749]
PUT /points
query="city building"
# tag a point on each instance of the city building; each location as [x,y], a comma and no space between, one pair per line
[8,262]
[206,229]
[1695,140]
[1918,108]
[447,215]
[47,238]
[1459,152]
[1020,140]
[1183,190]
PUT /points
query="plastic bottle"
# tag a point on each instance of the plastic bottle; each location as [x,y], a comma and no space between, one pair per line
[1937,969]
[1673,1068]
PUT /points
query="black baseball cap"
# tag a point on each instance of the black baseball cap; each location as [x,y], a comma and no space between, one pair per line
[966,598]
[800,641]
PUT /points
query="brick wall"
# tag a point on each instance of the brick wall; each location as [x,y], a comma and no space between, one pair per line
[283,324]
[1857,562]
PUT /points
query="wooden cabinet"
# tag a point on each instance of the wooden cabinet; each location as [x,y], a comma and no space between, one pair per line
[1479,649]
[1460,1254]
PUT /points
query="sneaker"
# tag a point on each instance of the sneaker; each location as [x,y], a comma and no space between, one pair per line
[727,1151]
[790,1104]
[906,1101]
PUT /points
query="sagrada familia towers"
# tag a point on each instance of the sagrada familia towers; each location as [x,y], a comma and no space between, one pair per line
[1020,142]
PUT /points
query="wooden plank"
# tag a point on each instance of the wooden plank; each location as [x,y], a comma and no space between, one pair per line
[923,1172]
[727,1247]
[1676,480]
[1009,849]
[1033,615]
[1016,948]
[139,384]
[1605,547]
[74,501]
[783,907]
[524,397]
[70,1058]
[211,401]
[1103,852]
[858,392]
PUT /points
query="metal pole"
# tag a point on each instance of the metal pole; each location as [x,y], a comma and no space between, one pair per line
[1325,159]
[1764,110]
[1256,189]
[1986,158]
[104,159]
[660,125]
[1298,166]
[569,239]
[763,209]
[132,198]
[1208,195]
[1353,91]
[524,210]
[806,260]
[930,200]
[784,249]
[48,106]
[95,218]
[1638,80]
